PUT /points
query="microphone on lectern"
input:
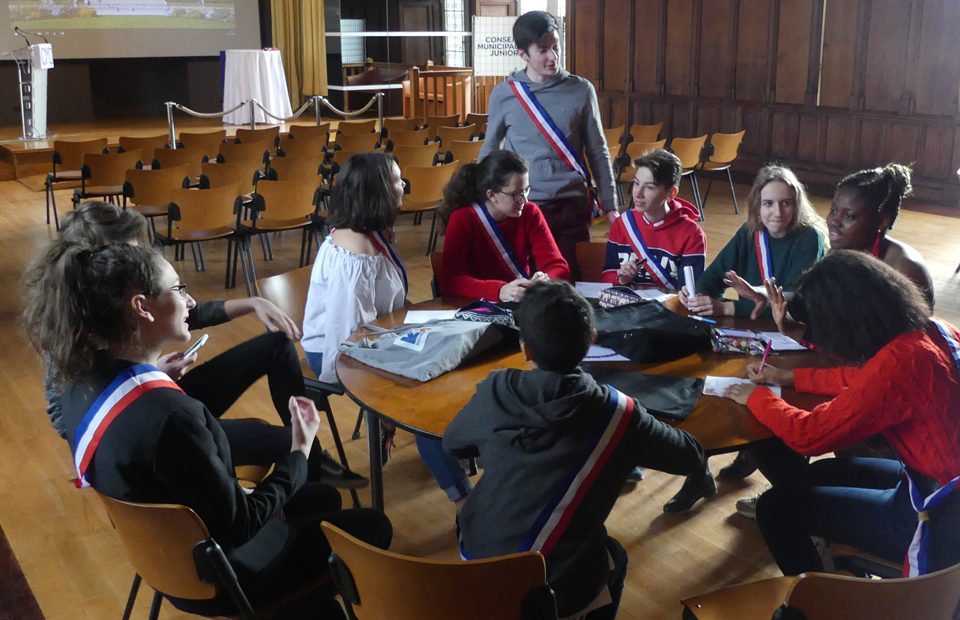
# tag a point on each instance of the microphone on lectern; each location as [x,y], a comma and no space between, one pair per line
[18,31]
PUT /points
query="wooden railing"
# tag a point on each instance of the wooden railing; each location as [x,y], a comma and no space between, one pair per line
[438,92]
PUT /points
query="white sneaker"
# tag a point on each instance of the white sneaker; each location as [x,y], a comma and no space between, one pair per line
[747,506]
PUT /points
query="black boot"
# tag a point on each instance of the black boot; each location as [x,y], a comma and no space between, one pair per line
[697,485]
[741,467]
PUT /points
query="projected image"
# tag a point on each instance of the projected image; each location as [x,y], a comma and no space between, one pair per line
[93,14]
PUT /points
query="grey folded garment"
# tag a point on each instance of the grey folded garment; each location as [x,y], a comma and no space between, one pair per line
[426,351]
[667,397]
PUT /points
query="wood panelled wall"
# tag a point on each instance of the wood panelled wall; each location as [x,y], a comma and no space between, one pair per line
[827,86]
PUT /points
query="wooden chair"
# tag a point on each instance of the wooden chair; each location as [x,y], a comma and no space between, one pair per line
[398,124]
[423,155]
[68,155]
[818,596]
[380,584]
[232,153]
[356,128]
[222,175]
[303,148]
[285,205]
[358,144]
[256,135]
[311,132]
[205,215]
[288,291]
[645,133]
[688,151]
[426,192]
[433,123]
[446,135]
[722,151]
[463,151]
[191,156]
[479,121]
[171,549]
[293,169]
[614,138]
[591,256]
[408,138]
[149,191]
[102,175]
[623,169]
[207,140]
[436,264]
[145,144]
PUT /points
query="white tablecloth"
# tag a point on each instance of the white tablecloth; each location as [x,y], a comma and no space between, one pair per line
[255,74]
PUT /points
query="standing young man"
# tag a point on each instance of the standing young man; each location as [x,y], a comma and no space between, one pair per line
[545,100]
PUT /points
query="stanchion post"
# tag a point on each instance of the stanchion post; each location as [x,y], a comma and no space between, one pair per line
[316,108]
[253,113]
[380,108]
[170,127]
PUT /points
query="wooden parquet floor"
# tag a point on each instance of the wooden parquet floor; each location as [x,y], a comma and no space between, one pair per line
[77,569]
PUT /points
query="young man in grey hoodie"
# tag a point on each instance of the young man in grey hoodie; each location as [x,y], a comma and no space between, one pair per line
[557,448]
[571,102]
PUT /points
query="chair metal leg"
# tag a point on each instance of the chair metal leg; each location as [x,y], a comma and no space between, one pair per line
[376,460]
[706,195]
[432,239]
[324,405]
[231,257]
[134,589]
[193,250]
[252,279]
[203,263]
[155,606]
[303,247]
[733,192]
[356,430]
[695,187]
[263,246]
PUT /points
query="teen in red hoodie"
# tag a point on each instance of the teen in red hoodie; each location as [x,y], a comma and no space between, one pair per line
[652,242]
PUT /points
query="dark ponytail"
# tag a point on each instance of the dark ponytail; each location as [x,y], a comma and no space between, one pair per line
[471,181]
[883,189]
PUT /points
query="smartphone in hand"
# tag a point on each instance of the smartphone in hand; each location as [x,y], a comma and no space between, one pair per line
[196,345]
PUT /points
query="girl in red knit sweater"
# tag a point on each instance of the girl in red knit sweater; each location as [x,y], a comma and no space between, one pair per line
[497,244]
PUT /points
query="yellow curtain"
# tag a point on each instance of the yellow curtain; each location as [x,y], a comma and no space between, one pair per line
[298,32]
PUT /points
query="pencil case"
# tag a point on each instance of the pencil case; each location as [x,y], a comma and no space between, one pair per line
[617,296]
[737,341]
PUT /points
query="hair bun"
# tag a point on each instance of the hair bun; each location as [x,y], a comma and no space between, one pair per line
[899,177]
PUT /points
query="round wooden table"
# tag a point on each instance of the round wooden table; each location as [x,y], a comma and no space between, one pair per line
[720,424]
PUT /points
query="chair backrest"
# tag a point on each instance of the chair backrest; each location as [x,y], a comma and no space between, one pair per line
[144,144]
[688,150]
[257,135]
[233,153]
[358,144]
[207,140]
[70,153]
[399,124]
[159,541]
[310,132]
[590,257]
[294,168]
[476,119]
[304,148]
[448,134]
[433,123]
[154,187]
[463,151]
[222,175]
[436,264]
[389,585]
[645,133]
[427,183]
[287,200]
[357,128]
[288,291]
[725,147]
[342,156]
[191,156]
[639,149]
[206,209]
[109,168]
[421,155]
[614,138]
[409,138]
[932,597]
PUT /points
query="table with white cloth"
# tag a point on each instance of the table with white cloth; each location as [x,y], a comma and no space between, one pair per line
[255,74]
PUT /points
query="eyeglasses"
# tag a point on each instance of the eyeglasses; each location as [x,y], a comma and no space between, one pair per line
[180,288]
[519,196]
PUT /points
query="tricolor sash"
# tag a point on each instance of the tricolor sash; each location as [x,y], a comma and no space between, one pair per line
[506,254]
[387,250]
[762,241]
[122,391]
[660,277]
[556,139]
[915,563]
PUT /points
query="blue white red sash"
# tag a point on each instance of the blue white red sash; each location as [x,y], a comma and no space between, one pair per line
[122,391]
[556,139]
[916,560]
[660,277]
[762,240]
[394,257]
[506,254]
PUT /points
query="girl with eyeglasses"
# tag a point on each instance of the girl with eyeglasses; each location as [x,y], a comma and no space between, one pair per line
[497,244]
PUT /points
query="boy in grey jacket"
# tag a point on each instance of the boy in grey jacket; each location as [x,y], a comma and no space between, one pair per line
[557,448]
[571,102]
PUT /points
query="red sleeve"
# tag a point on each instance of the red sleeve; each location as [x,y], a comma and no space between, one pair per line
[462,241]
[872,400]
[826,381]
[543,247]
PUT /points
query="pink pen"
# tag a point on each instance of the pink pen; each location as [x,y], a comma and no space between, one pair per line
[766,354]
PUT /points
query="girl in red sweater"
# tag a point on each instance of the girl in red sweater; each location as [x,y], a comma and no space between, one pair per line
[497,243]
[905,387]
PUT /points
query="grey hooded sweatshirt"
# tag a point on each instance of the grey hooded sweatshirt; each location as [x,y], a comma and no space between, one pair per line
[544,436]
[571,102]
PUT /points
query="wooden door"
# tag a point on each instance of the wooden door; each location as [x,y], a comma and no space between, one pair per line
[421,16]
[495,8]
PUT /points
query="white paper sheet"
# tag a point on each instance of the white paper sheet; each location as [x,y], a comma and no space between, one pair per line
[714,386]
[415,317]
[591,290]
[654,295]
[596,353]
[779,342]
